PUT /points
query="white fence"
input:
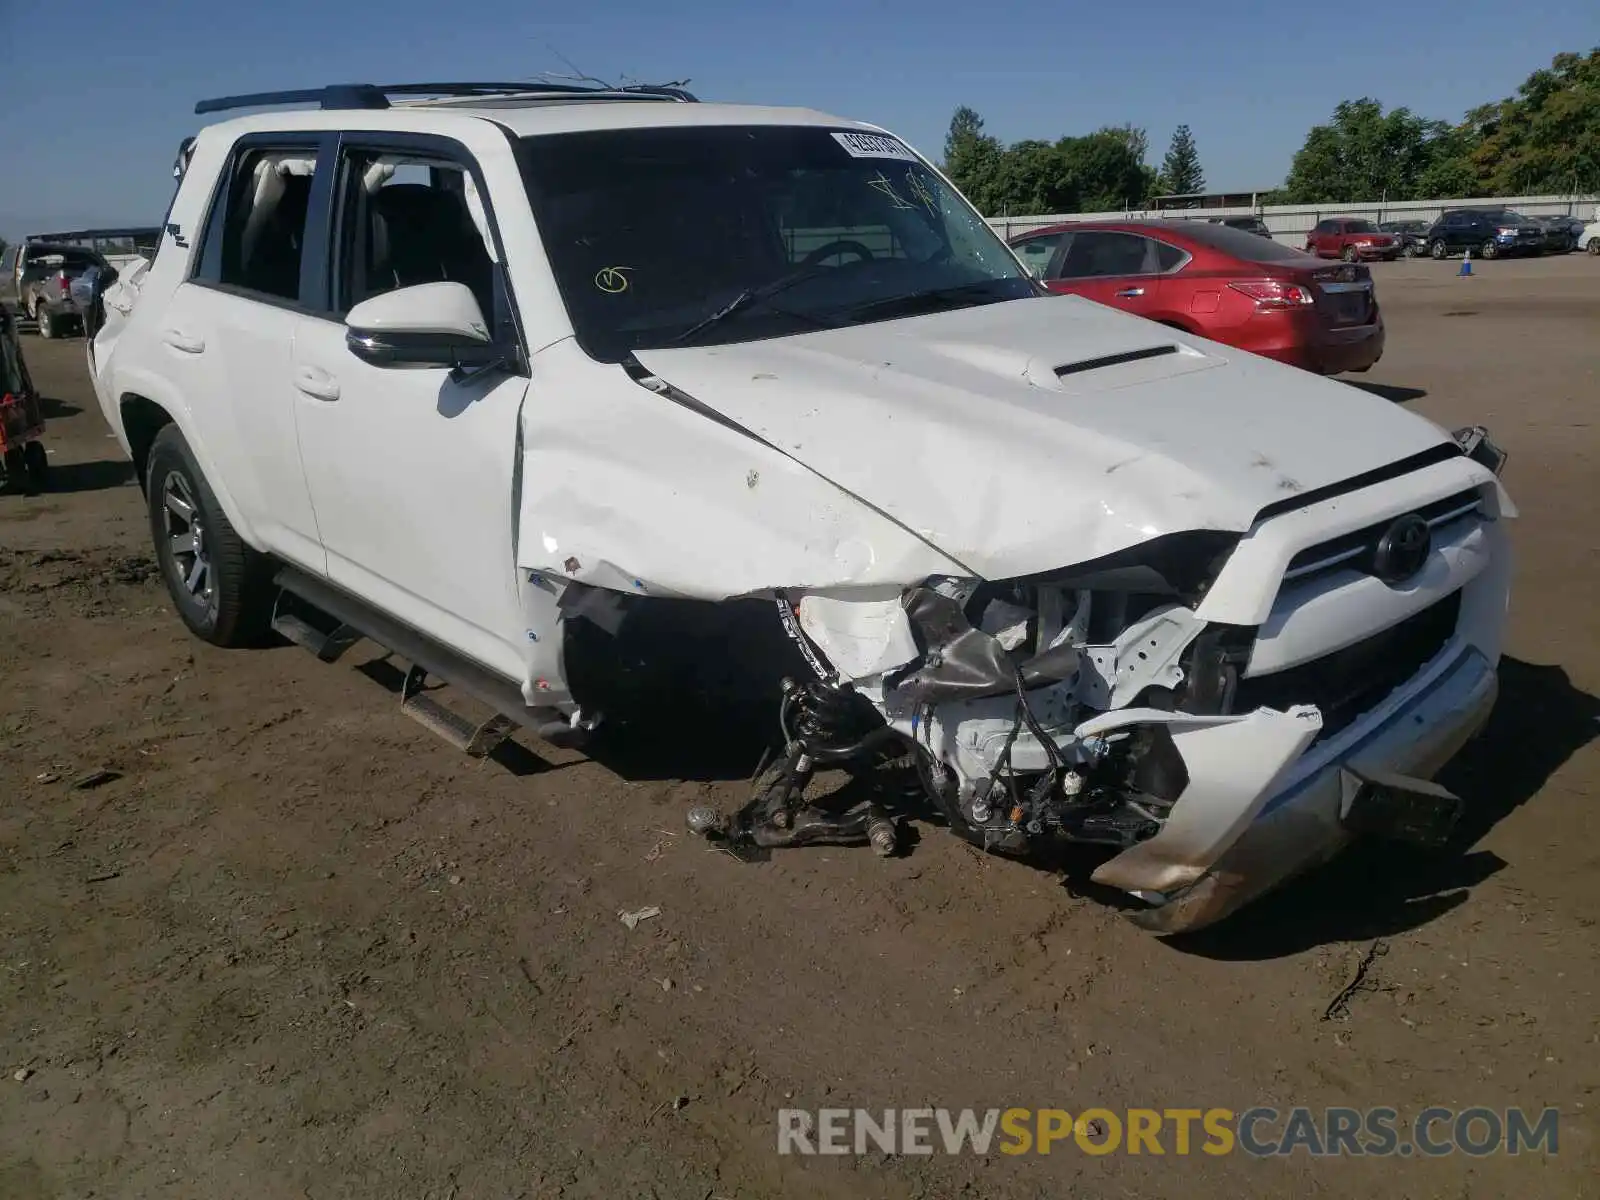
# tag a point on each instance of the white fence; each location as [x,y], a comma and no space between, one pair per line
[1291,222]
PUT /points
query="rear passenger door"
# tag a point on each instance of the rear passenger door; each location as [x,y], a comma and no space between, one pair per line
[1118,269]
[412,469]
[226,334]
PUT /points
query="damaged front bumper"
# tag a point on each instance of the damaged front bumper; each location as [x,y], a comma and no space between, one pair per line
[1312,810]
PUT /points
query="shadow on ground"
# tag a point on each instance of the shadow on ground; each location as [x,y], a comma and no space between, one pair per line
[57,410]
[1382,889]
[1388,391]
[67,478]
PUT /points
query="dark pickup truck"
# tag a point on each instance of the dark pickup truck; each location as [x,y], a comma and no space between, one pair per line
[36,282]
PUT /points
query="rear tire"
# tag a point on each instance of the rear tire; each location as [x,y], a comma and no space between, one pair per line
[221,588]
[47,321]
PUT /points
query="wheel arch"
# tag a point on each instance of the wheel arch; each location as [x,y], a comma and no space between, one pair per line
[144,411]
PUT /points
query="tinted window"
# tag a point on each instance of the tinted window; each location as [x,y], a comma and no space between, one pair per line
[1360,227]
[409,220]
[653,232]
[1169,258]
[1036,252]
[1236,243]
[262,224]
[1096,253]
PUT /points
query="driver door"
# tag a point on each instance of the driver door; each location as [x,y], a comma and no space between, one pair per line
[411,468]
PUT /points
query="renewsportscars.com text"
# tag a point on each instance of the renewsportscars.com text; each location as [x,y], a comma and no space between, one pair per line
[1260,1132]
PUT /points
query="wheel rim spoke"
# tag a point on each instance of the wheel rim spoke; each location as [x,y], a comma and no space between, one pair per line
[184,543]
[179,506]
[197,575]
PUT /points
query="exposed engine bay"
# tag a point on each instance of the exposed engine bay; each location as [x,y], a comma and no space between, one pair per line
[1069,706]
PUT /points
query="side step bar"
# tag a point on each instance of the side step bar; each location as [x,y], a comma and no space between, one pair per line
[348,620]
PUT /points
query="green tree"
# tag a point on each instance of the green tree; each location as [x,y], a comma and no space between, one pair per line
[1367,154]
[972,160]
[1546,138]
[1180,170]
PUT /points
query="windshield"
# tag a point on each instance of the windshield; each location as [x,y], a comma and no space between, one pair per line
[731,233]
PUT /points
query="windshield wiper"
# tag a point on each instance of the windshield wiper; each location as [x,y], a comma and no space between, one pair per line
[933,299]
[753,295]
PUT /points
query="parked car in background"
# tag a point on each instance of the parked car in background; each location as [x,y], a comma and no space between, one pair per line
[1561,233]
[36,280]
[120,247]
[1413,236]
[1589,239]
[1353,239]
[1487,232]
[1253,225]
[1219,282]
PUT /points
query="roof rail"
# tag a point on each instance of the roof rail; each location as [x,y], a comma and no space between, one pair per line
[368,95]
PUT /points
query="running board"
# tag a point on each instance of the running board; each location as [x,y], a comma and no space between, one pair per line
[478,740]
[350,619]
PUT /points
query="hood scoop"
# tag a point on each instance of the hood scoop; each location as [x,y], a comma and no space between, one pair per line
[1125,368]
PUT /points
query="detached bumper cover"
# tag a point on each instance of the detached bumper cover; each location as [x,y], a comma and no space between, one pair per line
[1311,815]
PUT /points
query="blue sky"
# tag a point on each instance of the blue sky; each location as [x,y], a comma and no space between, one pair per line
[90,129]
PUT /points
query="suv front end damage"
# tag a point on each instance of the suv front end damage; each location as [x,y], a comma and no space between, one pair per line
[1222,710]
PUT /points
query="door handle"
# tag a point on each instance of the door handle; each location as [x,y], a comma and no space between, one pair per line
[316,383]
[186,342]
[1129,293]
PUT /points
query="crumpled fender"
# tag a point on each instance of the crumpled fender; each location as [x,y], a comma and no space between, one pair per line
[623,488]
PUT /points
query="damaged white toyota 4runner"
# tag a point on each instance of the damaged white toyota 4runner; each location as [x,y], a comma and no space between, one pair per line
[597,403]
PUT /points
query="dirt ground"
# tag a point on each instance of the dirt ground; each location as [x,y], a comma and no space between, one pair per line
[292,946]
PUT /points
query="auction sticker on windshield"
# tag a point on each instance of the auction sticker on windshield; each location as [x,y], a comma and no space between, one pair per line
[874,145]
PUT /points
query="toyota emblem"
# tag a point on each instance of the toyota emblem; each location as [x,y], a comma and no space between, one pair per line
[1402,550]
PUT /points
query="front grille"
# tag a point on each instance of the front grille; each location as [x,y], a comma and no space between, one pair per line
[1355,680]
[1356,549]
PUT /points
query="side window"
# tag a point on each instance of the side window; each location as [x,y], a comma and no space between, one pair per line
[1321,228]
[1098,253]
[256,232]
[1169,257]
[410,219]
[1037,252]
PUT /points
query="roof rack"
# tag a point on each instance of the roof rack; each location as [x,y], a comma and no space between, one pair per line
[372,96]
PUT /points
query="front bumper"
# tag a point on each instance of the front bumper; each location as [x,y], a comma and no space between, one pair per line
[1301,825]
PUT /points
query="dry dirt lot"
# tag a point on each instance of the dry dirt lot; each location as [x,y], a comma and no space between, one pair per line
[291,946]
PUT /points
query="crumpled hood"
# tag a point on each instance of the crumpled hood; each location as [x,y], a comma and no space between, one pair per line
[1030,435]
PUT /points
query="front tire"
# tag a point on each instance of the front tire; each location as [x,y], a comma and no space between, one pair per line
[1350,254]
[46,320]
[1594,246]
[221,588]
[1438,249]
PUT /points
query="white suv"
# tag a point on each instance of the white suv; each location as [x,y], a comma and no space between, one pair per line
[609,404]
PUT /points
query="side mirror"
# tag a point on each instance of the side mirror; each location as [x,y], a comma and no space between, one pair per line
[427,325]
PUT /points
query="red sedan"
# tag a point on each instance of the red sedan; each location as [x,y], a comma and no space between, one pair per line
[1233,287]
